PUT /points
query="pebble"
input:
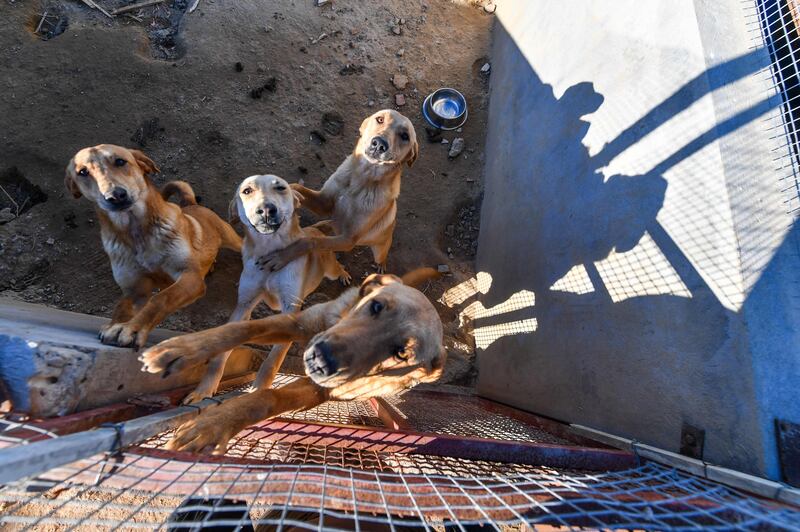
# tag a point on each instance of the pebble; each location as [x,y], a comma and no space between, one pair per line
[443,268]
[50,241]
[486,68]
[456,148]
[370,103]
[400,100]
[401,52]
[397,30]
[400,81]
[445,141]
[491,7]
[6,215]
[321,3]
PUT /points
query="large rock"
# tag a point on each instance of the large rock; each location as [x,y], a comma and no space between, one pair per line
[51,362]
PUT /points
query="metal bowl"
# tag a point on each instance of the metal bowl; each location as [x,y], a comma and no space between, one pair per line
[445,108]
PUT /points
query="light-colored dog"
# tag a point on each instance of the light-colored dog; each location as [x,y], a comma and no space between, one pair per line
[360,198]
[376,340]
[265,206]
[152,243]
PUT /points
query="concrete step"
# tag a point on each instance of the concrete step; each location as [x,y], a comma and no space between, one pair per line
[52,363]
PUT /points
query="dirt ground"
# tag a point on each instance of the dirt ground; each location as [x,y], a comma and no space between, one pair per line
[232,89]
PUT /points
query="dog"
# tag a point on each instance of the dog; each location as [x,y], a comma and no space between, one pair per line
[265,207]
[360,198]
[151,242]
[374,340]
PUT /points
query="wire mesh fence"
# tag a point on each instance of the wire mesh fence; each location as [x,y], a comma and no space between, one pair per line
[134,491]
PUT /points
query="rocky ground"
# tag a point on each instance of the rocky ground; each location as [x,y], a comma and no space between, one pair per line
[220,93]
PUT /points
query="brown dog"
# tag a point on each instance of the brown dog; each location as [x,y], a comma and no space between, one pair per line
[151,242]
[265,206]
[376,340]
[360,198]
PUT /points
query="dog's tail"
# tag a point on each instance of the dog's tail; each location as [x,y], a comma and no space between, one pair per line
[416,277]
[182,189]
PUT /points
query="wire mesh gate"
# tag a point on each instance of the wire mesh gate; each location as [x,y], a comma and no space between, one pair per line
[345,466]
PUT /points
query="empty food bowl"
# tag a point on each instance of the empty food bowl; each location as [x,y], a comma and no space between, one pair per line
[445,108]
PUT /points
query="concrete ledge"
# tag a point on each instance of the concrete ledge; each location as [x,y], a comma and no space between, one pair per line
[52,363]
[728,477]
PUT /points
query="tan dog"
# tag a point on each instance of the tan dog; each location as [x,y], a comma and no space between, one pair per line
[376,340]
[360,198]
[151,242]
[265,206]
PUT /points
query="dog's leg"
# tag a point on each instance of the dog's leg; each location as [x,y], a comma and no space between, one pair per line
[334,269]
[320,204]
[249,296]
[179,352]
[381,251]
[290,302]
[134,297]
[188,288]
[214,427]
[278,259]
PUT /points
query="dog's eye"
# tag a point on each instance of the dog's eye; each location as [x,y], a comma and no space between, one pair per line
[247,190]
[120,162]
[379,119]
[83,171]
[404,136]
[375,307]
[400,353]
[280,188]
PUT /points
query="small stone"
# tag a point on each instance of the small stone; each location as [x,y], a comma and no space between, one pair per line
[486,68]
[399,100]
[50,241]
[371,103]
[401,21]
[470,180]
[445,141]
[6,215]
[456,148]
[238,66]
[443,268]
[397,30]
[490,8]
[262,67]
[400,81]
[321,3]
[401,52]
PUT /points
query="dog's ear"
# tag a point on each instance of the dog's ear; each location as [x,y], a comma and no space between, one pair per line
[363,125]
[145,163]
[298,198]
[70,183]
[413,154]
[436,366]
[415,278]
[233,212]
[376,280]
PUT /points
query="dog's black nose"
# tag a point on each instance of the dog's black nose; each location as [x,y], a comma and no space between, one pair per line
[118,195]
[379,144]
[323,352]
[272,210]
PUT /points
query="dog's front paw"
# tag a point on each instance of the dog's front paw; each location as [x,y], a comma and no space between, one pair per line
[345,279]
[198,395]
[210,431]
[274,261]
[174,354]
[380,268]
[126,334]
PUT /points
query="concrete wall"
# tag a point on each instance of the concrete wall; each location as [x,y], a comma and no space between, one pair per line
[638,267]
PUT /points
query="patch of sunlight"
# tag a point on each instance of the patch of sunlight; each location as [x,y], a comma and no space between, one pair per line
[486,336]
[642,271]
[482,282]
[576,281]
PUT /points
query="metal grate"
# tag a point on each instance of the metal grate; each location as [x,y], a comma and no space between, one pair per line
[774,25]
[145,492]
[465,415]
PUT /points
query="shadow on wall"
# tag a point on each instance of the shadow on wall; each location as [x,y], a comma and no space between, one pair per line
[586,309]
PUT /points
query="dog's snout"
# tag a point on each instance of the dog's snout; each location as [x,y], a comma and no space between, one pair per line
[118,195]
[324,354]
[379,144]
[272,210]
